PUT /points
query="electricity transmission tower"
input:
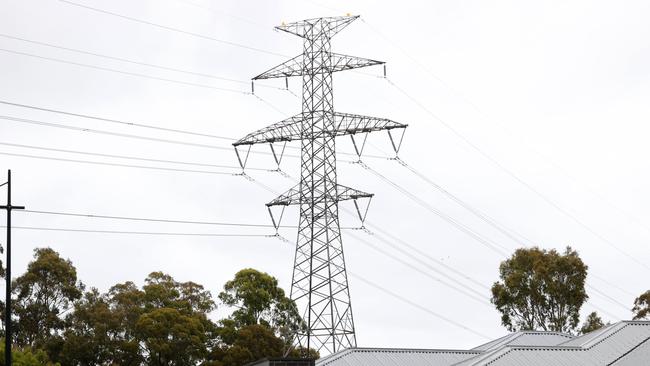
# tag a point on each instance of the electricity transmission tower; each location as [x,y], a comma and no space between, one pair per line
[319,284]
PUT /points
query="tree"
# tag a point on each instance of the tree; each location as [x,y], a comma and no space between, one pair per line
[92,332]
[174,326]
[164,323]
[26,357]
[259,300]
[43,294]
[541,290]
[250,343]
[641,307]
[262,324]
[592,323]
[172,338]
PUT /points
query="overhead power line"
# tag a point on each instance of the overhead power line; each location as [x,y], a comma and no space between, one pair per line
[521,181]
[394,238]
[418,306]
[129,73]
[116,121]
[134,62]
[509,232]
[497,248]
[118,164]
[491,221]
[118,134]
[127,157]
[480,111]
[147,219]
[173,29]
[455,285]
[137,232]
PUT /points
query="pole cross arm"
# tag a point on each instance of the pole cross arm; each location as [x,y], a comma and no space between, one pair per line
[343,193]
[344,124]
[295,66]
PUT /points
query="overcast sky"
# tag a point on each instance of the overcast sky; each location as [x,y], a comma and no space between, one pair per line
[553,92]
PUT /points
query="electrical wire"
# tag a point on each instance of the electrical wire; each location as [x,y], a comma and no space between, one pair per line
[521,181]
[215,11]
[140,63]
[127,157]
[173,29]
[118,164]
[110,120]
[377,229]
[136,232]
[497,248]
[118,134]
[129,73]
[416,305]
[146,219]
[502,228]
[509,232]
[477,109]
[459,287]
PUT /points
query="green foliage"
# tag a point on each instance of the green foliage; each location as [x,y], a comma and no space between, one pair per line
[26,357]
[641,307]
[541,290]
[250,343]
[592,323]
[259,300]
[46,290]
[163,323]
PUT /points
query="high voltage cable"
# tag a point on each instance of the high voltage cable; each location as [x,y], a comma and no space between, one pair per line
[418,306]
[213,10]
[110,120]
[497,225]
[118,134]
[465,290]
[146,219]
[173,29]
[497,248]
[521,181]
[148,126]
[598,292]
[118,164]
[474,295]
[142,125]
[37,228]
[121,59]
[461,274]
[127,157]
[125,72]
[476,108]
[509,232]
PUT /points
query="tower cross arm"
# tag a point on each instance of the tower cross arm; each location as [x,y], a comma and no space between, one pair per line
[294,66]
[292,196]
[344,124]
[329,25]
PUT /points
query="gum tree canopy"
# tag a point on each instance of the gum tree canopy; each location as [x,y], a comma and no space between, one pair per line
[541,290]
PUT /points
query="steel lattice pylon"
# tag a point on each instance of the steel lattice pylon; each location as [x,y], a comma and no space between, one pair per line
[319,284]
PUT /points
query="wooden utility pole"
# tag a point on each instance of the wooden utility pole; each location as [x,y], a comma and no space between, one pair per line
[9,208]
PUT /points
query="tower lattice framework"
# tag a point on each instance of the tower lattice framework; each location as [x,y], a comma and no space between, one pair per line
[319,283]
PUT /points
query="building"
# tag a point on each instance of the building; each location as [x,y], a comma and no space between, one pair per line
[625,343]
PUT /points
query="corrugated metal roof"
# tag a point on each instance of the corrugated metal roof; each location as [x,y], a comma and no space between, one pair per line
[639,356]
[603,349]
[394,357]
[620,344]
[526,338]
